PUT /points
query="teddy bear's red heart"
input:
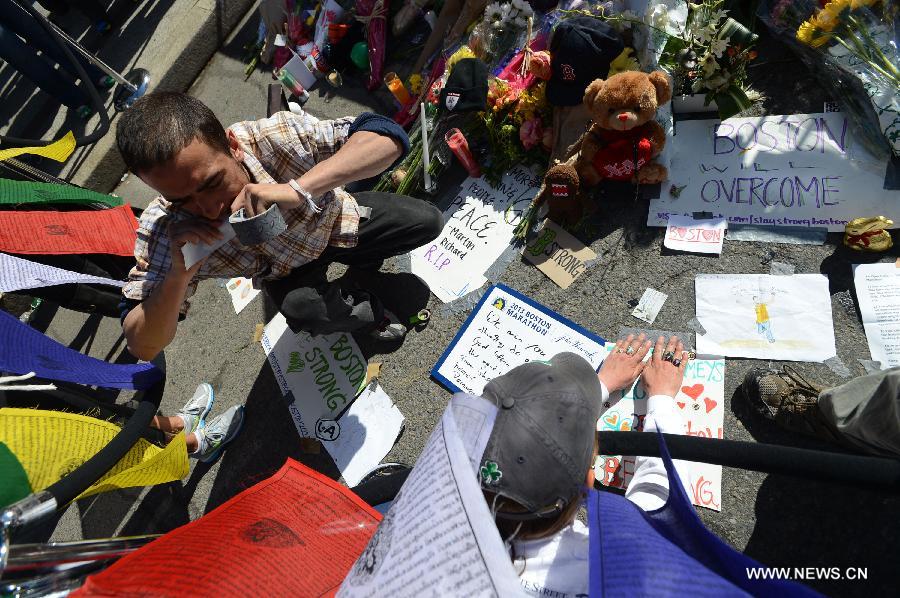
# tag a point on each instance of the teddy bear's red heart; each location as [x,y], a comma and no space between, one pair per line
[693,391]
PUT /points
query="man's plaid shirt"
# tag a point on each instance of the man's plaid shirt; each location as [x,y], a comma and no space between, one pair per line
[276,149]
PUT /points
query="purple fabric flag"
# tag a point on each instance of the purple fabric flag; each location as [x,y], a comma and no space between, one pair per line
[667,552]
[24,349]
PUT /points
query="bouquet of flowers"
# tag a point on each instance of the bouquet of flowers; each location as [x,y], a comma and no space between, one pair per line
[851,45]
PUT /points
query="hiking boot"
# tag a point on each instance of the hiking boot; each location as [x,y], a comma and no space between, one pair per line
[390,328]
[197,407]
[788,399]
[213,436]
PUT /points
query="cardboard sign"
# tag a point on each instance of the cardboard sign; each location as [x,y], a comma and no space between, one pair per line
[478,227]
[761,316]
[701,402]
[795,170]
[558,254]
[505,330]
[319,375]
[700,236]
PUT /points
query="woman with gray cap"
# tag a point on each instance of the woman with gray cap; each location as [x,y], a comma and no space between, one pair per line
[540,454]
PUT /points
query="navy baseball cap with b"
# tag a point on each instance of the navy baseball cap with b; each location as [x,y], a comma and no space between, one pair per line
[540,449]
[581,50]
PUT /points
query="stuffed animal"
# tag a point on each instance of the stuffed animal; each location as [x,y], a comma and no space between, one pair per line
[624,137]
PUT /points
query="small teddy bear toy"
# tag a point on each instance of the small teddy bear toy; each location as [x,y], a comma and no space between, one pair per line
[624,137]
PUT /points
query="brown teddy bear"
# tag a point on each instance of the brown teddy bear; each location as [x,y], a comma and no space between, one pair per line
[624,138]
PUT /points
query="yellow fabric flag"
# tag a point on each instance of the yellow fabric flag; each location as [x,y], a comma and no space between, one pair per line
[59,150]
[52,444]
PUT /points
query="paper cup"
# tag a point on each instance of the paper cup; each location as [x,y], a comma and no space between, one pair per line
[260,228]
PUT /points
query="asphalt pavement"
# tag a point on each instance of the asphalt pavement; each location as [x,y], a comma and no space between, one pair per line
[780,521]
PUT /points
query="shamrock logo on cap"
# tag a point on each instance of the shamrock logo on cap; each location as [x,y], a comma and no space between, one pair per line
[568,73]
[490,473]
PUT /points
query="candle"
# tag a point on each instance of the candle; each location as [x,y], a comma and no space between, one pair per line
[425,158]
[460,148]
[397,88]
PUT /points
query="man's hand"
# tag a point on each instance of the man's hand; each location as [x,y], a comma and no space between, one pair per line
[626,362]
[256,199]
[194,230]
[662,377]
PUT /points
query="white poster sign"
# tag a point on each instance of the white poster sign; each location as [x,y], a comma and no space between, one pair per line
[478,227]
[795,170]
[701,402]
[684,233]
[320,374]
[762,316]
[505,330]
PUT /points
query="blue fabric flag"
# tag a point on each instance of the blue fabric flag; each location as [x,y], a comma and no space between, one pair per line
[667,552]
[24,349]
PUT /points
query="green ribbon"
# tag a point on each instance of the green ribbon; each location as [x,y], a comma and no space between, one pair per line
[26,192]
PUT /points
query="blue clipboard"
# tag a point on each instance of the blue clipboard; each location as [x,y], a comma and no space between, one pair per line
[513,293]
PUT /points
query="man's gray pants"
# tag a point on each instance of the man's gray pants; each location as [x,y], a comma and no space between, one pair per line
[866,412]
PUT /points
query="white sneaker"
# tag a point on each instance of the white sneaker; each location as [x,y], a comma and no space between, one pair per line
[390,328]
[197,408]
[213,436]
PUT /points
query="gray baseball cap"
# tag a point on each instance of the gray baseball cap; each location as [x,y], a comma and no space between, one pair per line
[540,448]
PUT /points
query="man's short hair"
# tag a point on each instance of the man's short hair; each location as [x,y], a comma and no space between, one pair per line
[161,124]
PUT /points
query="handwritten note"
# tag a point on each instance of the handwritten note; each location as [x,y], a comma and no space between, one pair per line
[700,236]
[363,435]
[878,291]
[320,375]
[795,170]
[478,227]
[761,316]
[242,292]
[296,516]
[701,401]
[505,330]
[559,255]
[438,538]
[17,273]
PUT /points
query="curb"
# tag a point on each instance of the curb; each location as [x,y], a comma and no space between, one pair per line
[184,40]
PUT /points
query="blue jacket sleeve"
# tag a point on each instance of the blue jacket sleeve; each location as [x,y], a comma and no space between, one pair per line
[377,123]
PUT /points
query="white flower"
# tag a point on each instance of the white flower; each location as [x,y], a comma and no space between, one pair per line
[717,46]
[657,16]
[709,65]
[520,22]
[717,16]
[704,34]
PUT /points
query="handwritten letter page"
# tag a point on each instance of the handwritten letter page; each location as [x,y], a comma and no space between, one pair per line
[505,331]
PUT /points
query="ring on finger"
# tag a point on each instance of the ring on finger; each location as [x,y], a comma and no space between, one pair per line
[630,350]
[676,362]
[620,350]
[668,356]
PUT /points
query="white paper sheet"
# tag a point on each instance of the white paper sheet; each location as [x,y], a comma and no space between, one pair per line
[474,420]
[17,273]
[648,307]
[363,435]
[438,538]
[320,375]
[194,252]
[794,170]
[761,316]
[478,227]
[242,292]
[878,292]
[701,401]
[699,236]
[507,332]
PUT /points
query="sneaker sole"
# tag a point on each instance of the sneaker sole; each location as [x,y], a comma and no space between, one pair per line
[218,452]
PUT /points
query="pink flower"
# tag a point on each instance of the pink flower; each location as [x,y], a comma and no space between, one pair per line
[531,133]
[539,65]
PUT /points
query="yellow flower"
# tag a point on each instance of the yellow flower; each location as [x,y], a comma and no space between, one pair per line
[415,84]
[829,17]
[463,52]
[810,34]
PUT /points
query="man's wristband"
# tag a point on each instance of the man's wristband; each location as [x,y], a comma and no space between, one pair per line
[303,194]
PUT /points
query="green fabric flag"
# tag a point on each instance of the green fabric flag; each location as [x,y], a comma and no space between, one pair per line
[25,192]
[14,483]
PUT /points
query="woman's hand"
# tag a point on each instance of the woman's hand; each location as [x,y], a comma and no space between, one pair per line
[626,362]
[664,376]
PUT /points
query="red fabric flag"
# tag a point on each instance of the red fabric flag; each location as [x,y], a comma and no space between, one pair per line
[49,232]
[296,534]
